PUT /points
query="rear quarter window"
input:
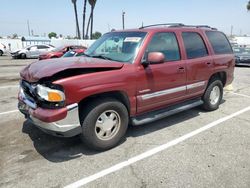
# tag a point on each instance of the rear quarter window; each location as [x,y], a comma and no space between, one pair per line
[219,42]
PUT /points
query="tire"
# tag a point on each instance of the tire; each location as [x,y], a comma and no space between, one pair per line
[1,52]
[104,123]
[23,56]
[213,95]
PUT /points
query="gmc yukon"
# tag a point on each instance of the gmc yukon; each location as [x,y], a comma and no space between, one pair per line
[127,77]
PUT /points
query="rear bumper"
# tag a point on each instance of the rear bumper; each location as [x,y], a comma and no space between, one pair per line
[58,122]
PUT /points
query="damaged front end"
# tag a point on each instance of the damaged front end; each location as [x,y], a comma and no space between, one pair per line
[44,103]
[53,117]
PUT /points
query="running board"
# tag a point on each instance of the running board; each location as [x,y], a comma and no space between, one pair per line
[159,114]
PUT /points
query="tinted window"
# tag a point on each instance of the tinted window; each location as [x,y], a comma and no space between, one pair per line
[165,43]
[42,47]
[219,42]
[194,45]
[69,54]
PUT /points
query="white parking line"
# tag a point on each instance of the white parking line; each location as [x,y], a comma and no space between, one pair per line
[242,95]
[8,112]
[9,86]
[153,151]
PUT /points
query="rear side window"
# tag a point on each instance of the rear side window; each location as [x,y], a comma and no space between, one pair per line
[194,44]
[42,47]
[165,43]
[219,42]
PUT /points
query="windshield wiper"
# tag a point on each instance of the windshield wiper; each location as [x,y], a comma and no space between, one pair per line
[86,55]
[101,56]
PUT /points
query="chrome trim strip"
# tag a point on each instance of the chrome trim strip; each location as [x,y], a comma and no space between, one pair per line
[27,101]
[195,85]
[163,92]
[72,106]
[172,90]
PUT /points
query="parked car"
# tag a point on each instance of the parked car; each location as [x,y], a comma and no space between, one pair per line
[2,49]
[242,56]
[32,51]
[137,76]
[74,53]
[60,51]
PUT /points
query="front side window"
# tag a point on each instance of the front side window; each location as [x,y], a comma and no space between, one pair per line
[194,45]
[165,43]
[117,46]
[219,42]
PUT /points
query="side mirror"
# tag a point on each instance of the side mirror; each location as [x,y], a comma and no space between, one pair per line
[154,58]
[28,49]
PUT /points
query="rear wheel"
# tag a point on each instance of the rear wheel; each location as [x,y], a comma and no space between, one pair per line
[104,123]
[1,52]
[213,95]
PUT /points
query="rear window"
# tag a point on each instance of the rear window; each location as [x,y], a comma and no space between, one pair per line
[194,45]
[219,42]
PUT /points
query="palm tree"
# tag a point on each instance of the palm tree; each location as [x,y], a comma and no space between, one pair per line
[248,6]
[76,16]
[83,20]
[91,17]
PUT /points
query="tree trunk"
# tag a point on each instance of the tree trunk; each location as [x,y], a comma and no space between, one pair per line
[87,31]
[92,21]
[77,23]
[83,20]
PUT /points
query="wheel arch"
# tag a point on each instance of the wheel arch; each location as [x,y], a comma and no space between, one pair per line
[222,75]
[118,95]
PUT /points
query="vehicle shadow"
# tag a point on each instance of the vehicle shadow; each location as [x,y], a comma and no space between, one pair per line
[56,149]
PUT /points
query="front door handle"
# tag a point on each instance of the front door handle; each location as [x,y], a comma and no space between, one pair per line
[181,69]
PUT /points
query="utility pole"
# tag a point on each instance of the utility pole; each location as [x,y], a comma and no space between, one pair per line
[28,24]
[232,27]
[123,25]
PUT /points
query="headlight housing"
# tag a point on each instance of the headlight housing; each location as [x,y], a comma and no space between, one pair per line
[50,95]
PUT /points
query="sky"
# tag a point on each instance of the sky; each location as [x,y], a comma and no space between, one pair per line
[58,15]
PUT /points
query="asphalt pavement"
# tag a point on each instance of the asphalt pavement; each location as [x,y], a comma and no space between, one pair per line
[190,149]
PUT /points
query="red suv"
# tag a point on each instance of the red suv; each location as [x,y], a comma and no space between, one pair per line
[59,52]
[131,76]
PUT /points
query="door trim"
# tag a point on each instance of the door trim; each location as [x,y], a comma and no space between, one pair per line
[172,90]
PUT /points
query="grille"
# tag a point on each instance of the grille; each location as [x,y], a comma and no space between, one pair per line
[28,90]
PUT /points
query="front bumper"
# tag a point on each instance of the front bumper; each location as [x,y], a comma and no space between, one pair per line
[243,62]
[15,55]
[68,126]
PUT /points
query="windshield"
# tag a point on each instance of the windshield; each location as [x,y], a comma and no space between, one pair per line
[117,46]
[69,54]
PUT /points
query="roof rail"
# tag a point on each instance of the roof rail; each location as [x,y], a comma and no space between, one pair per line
[179,25]
[201,26]
[163,24]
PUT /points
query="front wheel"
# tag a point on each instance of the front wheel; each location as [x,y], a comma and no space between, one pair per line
[104,123]
[213,95]
[23,56]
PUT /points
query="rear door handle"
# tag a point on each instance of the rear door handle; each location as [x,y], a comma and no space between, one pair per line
[208,63]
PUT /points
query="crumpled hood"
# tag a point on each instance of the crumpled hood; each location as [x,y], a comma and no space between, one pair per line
[46,68]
